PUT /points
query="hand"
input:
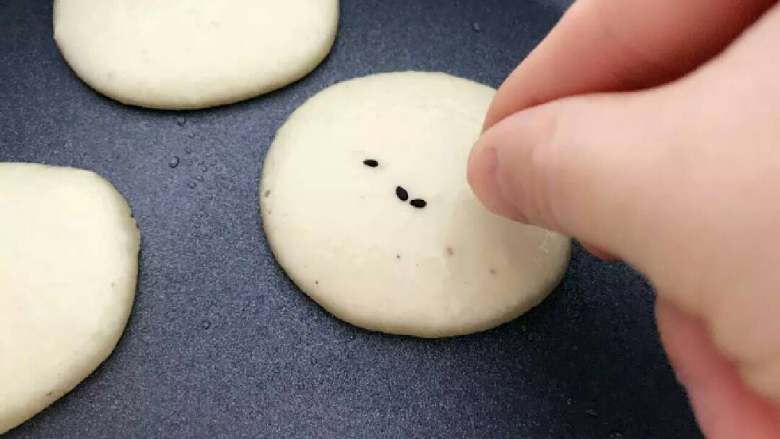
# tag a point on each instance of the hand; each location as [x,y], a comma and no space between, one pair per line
[674,167]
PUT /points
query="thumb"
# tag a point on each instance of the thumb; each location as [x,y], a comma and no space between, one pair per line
[582,166]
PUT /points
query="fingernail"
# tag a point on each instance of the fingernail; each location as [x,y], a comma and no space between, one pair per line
[484,176]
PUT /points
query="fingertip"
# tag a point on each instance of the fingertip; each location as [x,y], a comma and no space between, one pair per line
[483,178]
[505,172]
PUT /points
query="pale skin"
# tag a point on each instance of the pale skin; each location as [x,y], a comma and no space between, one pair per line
[650,131]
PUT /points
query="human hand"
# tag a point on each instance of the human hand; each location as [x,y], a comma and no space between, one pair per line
[674,167]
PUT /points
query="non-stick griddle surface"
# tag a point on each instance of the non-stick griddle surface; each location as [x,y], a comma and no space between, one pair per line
[221,344]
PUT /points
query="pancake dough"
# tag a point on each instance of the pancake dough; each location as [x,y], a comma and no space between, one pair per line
[366,206]
[68,268]
[189,54]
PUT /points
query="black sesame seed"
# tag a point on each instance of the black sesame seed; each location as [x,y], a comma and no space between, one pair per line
[401,193]
[371,163]
[418,203]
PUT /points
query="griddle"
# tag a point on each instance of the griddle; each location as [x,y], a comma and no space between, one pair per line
[221,344]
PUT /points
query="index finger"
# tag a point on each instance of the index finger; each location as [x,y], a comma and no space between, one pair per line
[619,45]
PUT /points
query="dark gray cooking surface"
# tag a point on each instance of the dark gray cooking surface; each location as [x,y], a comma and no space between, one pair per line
[221,344]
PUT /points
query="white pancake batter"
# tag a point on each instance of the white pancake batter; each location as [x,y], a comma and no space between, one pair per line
[188,54]
[366,206]
[68,268]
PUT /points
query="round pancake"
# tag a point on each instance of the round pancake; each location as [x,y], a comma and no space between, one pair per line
[68,269]
[188,54]
[366,206]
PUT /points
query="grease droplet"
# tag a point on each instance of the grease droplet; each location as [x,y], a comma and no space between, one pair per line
[476,27]
[174,162]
